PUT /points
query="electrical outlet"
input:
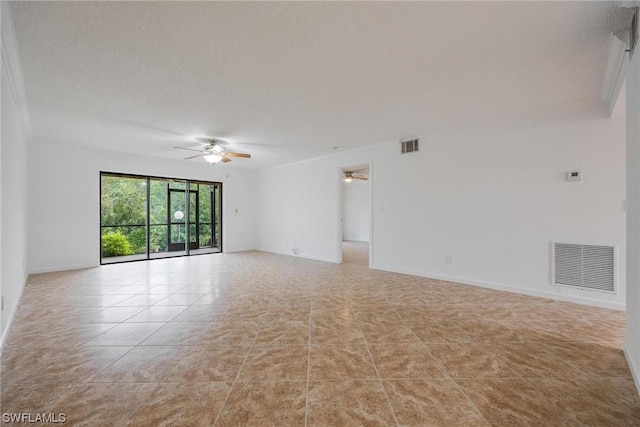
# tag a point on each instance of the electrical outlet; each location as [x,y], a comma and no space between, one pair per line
[574,176]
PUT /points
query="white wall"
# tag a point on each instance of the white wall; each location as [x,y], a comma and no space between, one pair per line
[13,178]
[632,342]
[299,210]
[493,198]
[356,207]
[64,214]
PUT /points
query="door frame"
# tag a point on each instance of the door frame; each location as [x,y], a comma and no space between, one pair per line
[340,213]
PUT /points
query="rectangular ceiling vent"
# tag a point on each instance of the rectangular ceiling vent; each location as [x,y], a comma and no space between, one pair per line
[409,146]
[584,266]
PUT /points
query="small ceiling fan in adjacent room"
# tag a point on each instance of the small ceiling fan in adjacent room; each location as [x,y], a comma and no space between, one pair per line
[214,152]
[350,176]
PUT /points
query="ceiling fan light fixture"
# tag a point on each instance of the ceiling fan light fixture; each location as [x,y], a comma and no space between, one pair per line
[212,158]
[349,176]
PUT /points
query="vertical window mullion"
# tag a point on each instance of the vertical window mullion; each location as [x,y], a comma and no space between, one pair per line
[148,218]
[187,202]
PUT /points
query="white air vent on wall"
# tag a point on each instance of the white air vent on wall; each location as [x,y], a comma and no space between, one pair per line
[584,266]
[409,146]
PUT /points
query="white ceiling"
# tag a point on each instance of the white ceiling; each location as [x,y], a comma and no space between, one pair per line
[296,79]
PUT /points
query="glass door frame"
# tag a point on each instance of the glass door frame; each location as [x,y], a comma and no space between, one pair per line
[216,221]
[171,222]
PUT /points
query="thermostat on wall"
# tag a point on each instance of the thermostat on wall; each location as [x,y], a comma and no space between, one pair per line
[574,176]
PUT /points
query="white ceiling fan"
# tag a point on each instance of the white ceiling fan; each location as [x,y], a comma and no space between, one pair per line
[214,152]
[350,176]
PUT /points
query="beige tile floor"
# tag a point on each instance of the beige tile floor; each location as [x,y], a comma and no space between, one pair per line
[262,339]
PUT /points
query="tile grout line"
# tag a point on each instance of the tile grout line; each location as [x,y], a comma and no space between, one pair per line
[471,401]
[353,294]
[375,367]
[132,347]
[426,345]
[306,408]
[235,380]
[97,374]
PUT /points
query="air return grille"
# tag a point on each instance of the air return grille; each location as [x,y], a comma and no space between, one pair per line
[584,266]
[409,146]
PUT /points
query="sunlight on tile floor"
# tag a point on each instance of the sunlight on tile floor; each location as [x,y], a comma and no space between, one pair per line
[261,339]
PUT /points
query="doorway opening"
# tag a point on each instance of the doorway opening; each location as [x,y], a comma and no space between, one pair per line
[356,214]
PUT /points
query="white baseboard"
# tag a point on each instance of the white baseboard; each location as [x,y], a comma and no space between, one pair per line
[303,255]
[238,249]
[7,327]
[508,288]
[632,366]
[41,270]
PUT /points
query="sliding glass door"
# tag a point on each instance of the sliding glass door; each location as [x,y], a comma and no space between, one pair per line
[177,217]
[150,217]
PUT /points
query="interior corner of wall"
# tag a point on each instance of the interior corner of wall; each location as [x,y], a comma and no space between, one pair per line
[633,365]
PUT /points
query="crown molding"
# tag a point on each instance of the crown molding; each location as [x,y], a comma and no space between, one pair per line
[11,66]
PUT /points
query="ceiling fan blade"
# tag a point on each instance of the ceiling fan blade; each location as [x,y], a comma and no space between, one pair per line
[190,149]
[364,178]
[361,171]
[225,159]
[232,154]
[193,157]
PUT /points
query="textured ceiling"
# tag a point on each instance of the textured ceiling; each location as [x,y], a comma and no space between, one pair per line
[295,79]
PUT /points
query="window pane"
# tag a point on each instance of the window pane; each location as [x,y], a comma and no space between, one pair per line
[177,233]
[205,204]
[159,236]
[158,202]
[178,210]
[177,185]
[192,233]
[124,241]
[123,212]
[205,239]
[192,207]
[123,200]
